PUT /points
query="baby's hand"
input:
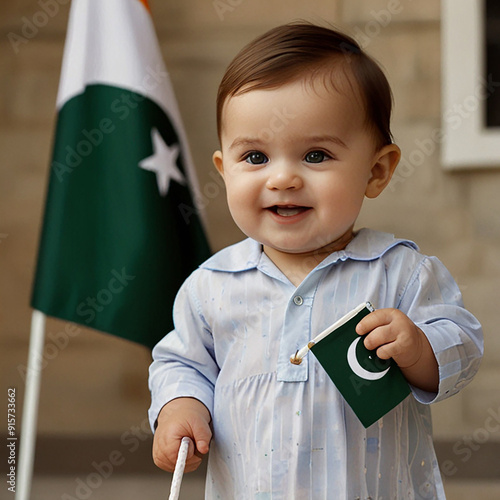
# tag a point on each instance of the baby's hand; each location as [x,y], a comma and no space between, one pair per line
[182,417]
[395,336]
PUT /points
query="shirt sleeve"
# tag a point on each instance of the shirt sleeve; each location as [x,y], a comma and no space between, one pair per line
[432,300]
[183,361]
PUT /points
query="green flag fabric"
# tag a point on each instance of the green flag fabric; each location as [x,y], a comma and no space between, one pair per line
[371,386]
[121,231]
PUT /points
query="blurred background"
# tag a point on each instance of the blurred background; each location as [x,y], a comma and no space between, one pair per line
[94,395]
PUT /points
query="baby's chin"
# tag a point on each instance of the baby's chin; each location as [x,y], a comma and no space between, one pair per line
[313,249]
[297,251]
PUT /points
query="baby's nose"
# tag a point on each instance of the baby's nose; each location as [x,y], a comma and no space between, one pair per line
[284,177]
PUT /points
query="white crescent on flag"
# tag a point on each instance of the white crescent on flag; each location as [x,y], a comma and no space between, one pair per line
[357,368]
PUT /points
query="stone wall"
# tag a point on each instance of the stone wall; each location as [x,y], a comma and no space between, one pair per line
[94,384]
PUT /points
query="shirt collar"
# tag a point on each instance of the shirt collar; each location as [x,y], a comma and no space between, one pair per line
[368,244]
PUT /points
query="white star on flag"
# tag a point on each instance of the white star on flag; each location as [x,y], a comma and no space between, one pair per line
[163,162]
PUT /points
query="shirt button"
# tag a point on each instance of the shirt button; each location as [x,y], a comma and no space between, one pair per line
[298,300]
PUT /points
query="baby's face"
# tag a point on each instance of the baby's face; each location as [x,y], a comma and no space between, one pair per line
[296,162]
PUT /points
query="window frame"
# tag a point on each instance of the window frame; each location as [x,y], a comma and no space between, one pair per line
[467,142]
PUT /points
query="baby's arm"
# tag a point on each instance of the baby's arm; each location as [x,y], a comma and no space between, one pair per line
[178,418]
[395,336]
[183,374]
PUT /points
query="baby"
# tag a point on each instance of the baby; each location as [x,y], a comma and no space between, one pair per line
[304,127]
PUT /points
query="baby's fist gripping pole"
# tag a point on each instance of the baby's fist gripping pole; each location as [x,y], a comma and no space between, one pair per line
[175,488]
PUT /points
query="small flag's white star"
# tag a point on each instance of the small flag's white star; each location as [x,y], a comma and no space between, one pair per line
[163,162]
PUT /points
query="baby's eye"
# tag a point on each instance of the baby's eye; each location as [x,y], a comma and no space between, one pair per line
[316,157]
[256,158]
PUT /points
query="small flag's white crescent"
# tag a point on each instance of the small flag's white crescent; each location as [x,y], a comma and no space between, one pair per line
[357,368]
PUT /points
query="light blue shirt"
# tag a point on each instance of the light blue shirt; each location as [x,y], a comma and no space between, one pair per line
[283,431]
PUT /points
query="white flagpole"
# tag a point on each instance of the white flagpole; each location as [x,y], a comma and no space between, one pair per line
[175,487]
[30,407]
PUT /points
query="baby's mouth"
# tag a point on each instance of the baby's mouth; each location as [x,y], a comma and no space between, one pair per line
[288,210]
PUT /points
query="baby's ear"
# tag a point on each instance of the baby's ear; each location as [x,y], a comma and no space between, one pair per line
[385,162]
[217,160]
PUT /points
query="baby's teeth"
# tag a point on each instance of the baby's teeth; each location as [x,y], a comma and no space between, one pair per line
[287,212]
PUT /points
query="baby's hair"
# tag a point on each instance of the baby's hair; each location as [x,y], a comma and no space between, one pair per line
[289,52]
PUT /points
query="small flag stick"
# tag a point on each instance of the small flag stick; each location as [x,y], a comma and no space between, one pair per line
[296,358]
[175,488]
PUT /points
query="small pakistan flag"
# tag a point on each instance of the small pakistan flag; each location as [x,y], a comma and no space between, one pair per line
[371,386]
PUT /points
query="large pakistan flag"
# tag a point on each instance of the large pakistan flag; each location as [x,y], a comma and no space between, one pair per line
[120,231]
